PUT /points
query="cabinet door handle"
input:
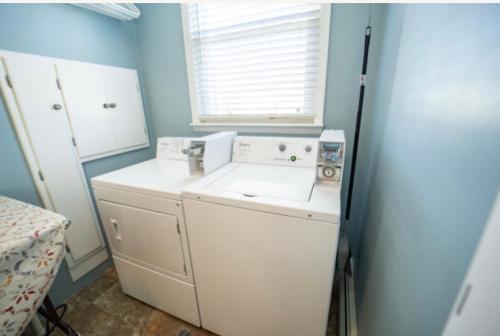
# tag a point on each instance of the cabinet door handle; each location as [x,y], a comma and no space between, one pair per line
[57,106]
[105,105]
[118,235]
[112,105]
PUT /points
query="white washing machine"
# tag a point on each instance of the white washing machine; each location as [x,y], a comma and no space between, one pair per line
[263,234]
[142,214]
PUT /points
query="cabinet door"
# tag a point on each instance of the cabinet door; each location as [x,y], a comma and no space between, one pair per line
[477,303]
[85,95]
[143,236]
[122,86]
[41,105]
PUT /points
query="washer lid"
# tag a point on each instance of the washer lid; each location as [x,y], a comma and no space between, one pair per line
[277,182]
[289,191]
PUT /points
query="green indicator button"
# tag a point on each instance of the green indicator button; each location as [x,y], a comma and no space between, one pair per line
[293,158]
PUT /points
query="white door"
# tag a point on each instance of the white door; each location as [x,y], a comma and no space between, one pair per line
[85,97]
[259,273]
[122,86]
[477,307]
[145,237]
[41,106]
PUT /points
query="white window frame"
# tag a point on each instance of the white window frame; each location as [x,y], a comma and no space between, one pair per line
[267,123]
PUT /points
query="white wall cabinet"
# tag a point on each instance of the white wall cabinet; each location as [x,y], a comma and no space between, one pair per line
[37,109]
[84,94]
[105,108]
[127,114]
[57,109]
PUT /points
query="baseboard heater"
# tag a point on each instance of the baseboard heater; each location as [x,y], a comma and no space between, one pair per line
[348,325]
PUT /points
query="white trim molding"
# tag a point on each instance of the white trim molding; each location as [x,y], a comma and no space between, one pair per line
[259,128]
[79,270]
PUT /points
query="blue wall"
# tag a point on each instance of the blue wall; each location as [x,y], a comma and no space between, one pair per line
[161,53]
[64,31]
[433,163]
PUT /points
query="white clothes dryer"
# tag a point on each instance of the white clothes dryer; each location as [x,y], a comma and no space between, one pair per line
[142,213]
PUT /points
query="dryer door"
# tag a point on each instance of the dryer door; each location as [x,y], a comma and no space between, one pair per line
[145,237]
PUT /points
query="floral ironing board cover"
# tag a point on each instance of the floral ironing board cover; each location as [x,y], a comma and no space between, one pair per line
[31,250]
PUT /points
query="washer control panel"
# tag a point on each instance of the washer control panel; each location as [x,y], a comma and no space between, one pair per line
[330,163]
[297,152]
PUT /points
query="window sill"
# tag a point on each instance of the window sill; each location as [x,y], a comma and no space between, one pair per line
[311,129]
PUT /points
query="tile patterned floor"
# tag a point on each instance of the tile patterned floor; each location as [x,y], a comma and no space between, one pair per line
[102,309]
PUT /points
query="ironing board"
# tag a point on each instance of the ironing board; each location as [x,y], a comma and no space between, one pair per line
[31,250]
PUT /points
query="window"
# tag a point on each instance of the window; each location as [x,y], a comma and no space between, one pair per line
[256,64]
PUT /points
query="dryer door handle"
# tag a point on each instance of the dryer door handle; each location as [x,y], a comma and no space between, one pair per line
[114,223]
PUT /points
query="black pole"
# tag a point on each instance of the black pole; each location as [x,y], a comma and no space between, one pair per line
[362,81]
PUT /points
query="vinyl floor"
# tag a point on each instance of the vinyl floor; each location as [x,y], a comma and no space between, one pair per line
[102,309]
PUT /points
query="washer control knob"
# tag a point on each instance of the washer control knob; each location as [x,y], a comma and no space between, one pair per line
[282,147]
[308,149]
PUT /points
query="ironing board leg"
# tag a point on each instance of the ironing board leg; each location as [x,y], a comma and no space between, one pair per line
[50,313]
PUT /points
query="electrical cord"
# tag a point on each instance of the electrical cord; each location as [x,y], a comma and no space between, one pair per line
[48,329]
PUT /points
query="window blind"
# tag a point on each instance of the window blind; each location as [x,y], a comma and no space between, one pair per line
[255,59]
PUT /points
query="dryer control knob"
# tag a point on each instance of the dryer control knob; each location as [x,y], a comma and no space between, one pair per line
[282,147]
[308,149]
